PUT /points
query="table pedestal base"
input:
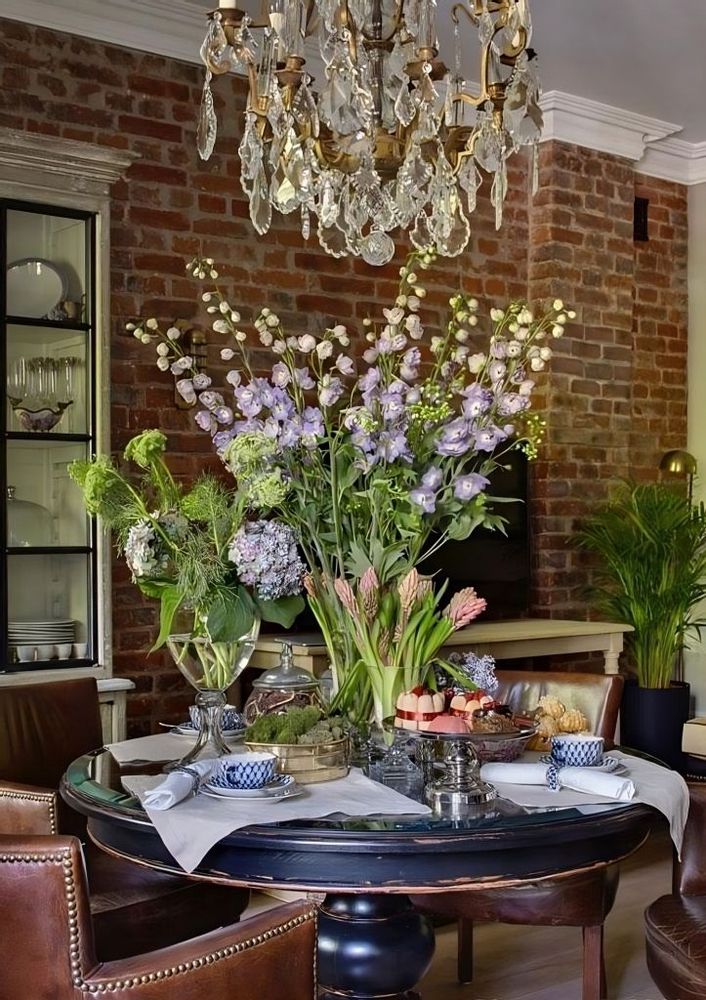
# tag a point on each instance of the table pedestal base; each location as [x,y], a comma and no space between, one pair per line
[372,945]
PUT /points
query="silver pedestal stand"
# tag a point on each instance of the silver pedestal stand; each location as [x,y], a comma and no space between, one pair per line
[461,791]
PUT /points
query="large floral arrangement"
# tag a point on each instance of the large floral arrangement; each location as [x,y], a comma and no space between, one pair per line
[374,461]
[193,547]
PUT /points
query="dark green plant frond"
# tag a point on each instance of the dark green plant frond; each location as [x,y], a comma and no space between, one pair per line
[652,572]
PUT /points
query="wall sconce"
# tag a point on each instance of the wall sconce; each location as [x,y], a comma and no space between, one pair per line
[194,343]
[680,463]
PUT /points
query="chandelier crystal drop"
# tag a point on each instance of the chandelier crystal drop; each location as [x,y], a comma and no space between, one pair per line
[383,136]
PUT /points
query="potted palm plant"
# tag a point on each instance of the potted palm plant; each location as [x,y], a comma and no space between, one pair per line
[651,546]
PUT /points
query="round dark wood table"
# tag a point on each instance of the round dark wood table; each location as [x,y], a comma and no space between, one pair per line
[372,943]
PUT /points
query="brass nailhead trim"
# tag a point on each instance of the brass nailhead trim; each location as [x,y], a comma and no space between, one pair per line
[48,798]
[64,858]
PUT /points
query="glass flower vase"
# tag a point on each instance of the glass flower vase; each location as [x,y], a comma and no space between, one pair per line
[211,667]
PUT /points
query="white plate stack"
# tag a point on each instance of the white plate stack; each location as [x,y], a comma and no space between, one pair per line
[42,640]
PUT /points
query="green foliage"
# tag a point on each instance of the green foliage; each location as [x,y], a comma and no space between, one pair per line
[285,728]
[652,573]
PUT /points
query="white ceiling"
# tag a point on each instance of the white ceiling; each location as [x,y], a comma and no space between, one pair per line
[645,57]
[648,56]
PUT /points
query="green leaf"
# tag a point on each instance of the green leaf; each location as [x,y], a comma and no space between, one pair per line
[282,611]
[153,588]
[171,598]
[230,615]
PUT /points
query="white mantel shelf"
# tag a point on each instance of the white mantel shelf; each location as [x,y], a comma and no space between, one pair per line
[509,640]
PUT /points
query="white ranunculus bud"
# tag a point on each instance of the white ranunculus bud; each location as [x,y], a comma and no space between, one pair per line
[146,339]
[163,350]
[558,305]
[536,364]
[545,353]
[206,297]
[557,331]
[272,320]
[411,277]
[152,323]
[496,315]
[163,364]
[571,314]
[339,330]
[173,333]
[266,337]
[212,309]
[213,273]
[279,347]
[413,302]
[227,354]
[401,301]
[475,363]
[235,316]
[240,336]
[306,343]
[473,321]
[224,307]
[344,341]
[130,327]
[473,303]
[420,292]
[138,332]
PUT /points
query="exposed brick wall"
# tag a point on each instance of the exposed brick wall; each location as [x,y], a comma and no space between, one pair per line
[573,240]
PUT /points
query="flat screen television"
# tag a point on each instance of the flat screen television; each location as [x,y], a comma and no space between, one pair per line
[496,564]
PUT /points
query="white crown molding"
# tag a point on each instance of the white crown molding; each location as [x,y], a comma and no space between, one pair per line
[577,120]
[675,160]
[89,167]
[173,28]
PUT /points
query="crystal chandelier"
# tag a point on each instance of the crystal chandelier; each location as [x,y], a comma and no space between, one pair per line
[384,137]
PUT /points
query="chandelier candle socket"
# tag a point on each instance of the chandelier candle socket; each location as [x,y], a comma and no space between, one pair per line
[384,136]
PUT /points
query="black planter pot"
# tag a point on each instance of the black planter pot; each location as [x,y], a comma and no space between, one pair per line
[652,719]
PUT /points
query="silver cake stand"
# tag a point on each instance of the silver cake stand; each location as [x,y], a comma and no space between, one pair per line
[460,791]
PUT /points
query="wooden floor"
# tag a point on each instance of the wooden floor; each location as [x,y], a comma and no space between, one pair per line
[544,963]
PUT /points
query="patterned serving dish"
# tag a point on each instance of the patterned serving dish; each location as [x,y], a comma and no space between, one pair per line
[503,747]
[310,762]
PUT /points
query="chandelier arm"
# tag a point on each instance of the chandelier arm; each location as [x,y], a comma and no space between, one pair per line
[508,57]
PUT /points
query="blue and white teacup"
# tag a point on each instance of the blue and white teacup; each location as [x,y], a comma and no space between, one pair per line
[577,750]
[245,770]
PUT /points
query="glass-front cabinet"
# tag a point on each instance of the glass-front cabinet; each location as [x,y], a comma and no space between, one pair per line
[49,595]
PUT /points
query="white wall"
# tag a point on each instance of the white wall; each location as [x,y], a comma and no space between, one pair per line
[695,659]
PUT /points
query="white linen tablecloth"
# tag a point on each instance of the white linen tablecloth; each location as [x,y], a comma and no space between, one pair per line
[655,786]
[191,828]
[145,749]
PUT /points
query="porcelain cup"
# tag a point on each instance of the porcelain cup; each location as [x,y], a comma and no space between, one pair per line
[45,652]
[80,650]
[246,770]
[63,650]
[577,750]
[25,653]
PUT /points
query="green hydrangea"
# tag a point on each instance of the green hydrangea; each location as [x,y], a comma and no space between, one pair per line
[266,491]
[146,448]
[98,480]
[247,454]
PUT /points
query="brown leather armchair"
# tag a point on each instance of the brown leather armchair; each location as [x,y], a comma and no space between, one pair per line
[48,950]
[578,899]
[43,727]
[675,925]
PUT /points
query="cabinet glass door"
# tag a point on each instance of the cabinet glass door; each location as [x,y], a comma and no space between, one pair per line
[47,319]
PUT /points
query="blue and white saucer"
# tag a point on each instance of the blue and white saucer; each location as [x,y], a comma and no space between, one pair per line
[283,786]
[607,764]
[188,729]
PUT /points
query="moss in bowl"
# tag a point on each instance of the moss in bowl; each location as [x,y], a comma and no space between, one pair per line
[308,745]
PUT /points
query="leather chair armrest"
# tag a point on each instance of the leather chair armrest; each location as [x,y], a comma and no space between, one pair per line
[690,873]
[270,954]
[28,809]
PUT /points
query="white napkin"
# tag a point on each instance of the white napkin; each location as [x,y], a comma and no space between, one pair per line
[192,827]
[178,785]
[655,786]
[578,779]
[163,746]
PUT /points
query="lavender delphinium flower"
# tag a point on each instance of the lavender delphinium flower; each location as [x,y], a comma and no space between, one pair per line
[469,486]
[480,670]
[266,558]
